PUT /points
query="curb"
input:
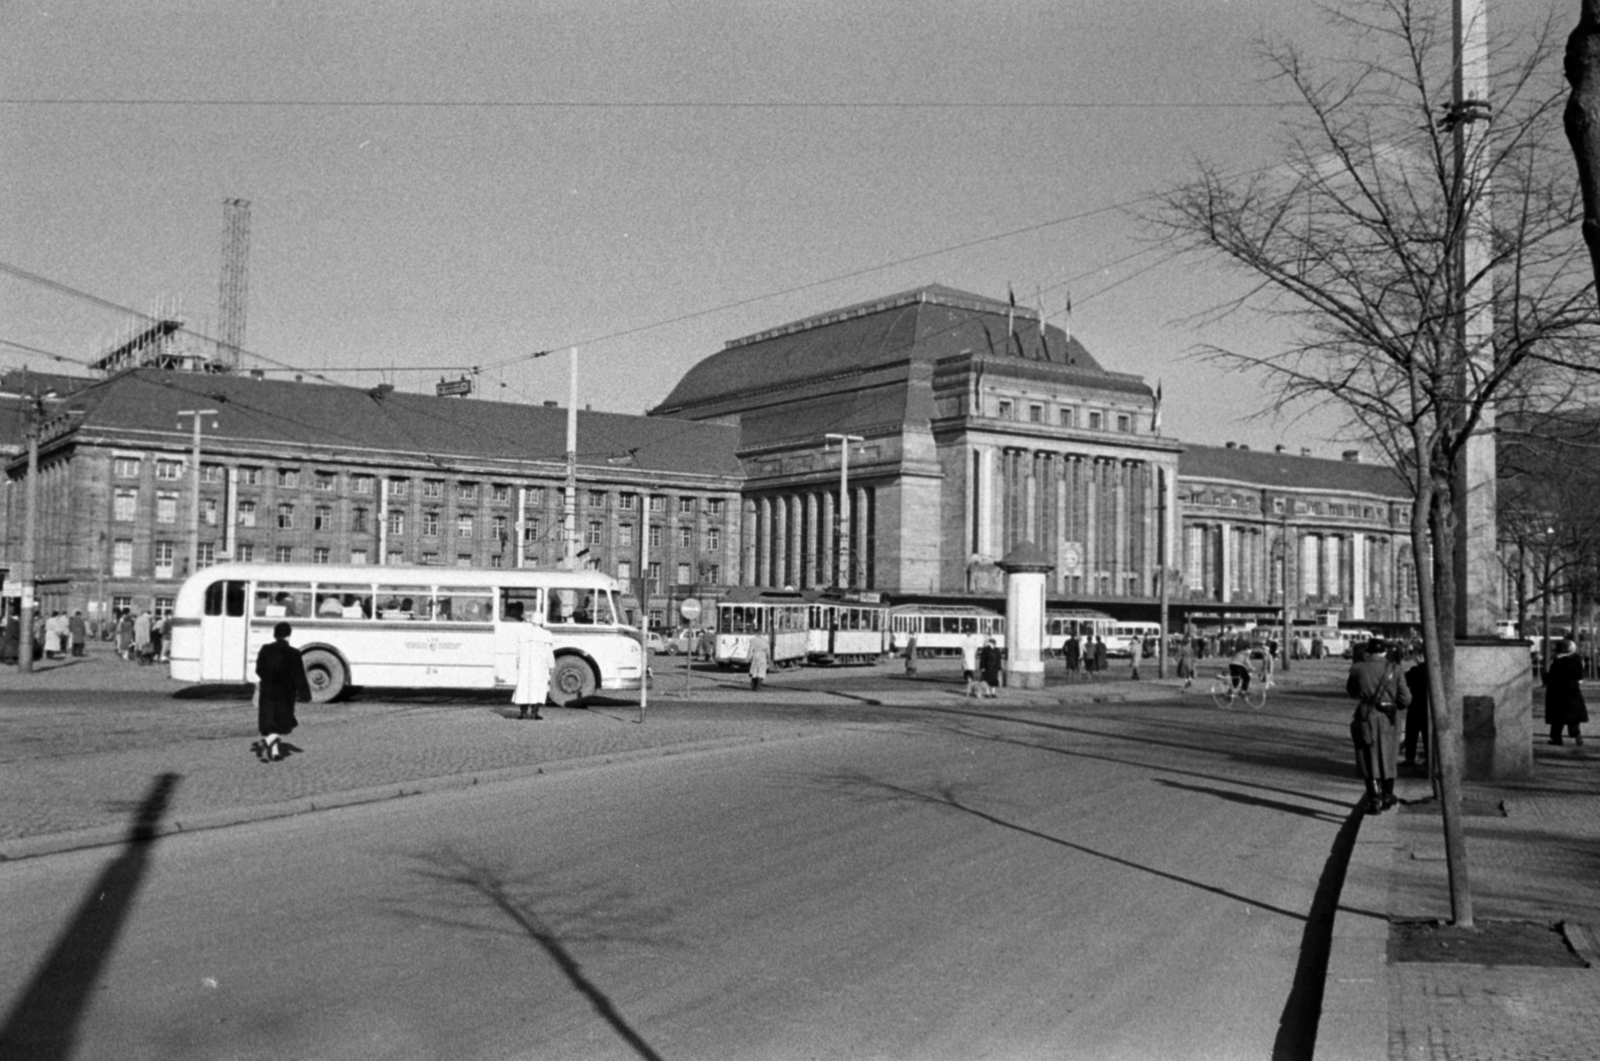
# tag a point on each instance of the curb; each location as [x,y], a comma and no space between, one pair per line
[109,836]
[1355,987]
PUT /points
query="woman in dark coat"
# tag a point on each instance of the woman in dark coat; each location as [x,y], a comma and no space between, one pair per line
[1563,697]
[1380,692]
[282,675]
[989,667]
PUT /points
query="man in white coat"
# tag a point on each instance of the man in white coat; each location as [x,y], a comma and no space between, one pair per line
[535,660]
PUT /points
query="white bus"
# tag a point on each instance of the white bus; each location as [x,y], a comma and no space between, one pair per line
[1122,635]
[403,627]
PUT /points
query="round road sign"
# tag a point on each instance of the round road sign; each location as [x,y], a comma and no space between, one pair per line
[689,609]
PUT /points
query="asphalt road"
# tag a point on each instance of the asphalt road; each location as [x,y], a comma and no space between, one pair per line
[1114,881]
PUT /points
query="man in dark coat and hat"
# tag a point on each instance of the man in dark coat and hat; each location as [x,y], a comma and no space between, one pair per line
[282,675]
[1563,696]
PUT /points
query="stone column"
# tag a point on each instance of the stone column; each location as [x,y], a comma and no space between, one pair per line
[780,541]
[858,555]
[763,540]
[1091,527]
[796,564]
[747,543]
[1225,572]
[828,546]
[1358,576]
[808,577]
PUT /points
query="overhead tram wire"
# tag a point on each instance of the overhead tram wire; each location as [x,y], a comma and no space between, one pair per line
[644,105]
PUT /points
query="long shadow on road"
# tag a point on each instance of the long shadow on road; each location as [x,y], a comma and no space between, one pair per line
[43,1022]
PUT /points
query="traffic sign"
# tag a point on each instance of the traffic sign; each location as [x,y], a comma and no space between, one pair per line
[690,610]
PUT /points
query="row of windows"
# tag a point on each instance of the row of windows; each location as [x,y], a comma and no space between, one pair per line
[1067,416]
[1280,505]
[289,478]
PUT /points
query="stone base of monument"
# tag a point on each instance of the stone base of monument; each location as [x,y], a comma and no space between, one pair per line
[1494,681]
[1025,676]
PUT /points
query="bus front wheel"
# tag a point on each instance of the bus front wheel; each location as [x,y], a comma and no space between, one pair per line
[325,674]
[572,679]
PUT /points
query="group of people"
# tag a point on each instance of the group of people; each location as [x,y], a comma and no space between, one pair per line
[1085,655]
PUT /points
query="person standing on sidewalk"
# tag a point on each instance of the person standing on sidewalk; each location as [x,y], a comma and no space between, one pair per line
[989,668]
[1069,653]
[536,658]
[760,656]
[969,662]
[281,675]
[1186,661]
[1563,696]
[1417,713]
[1135,653]
[911,656]
[1099,655]
[141,638]
[1379,690]
[78,632]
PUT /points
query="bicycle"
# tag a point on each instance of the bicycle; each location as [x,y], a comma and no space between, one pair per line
[1225,693]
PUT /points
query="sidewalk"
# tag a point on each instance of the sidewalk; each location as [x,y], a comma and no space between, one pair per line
[86,738]
[1525,983]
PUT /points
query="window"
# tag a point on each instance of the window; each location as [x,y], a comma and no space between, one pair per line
[322,518]
[249,476]
[1036,414]
[655,537]
[1366,512]
[628,502]
[497,560]
[245,552]
[686,537]
[319,555]
[500,492]
[712,573]
[211,473]
[1095,421]
[324,481]
[170,471]
[1004,410]
[713,539]
[1277,505]
[397,522]
[433,488]
[1125,423]
[208,511]
[463,559]
[624,534]
[125,504]
[430,558]
[358,520]
[715,506]
[464,526]
[289,478]
[284,554]
[535,495]
[361,484]
[125,467]
[652,575]
[399,487]
[205,554]
[595,532]
[658,504]
[624,571]
[121,605]
[1066,418]
[396,558]
[430,523]
[685,506]
[166,506]
[530,529]
[597,499]
[163,559]
[685,575]
[466,491]
[497,528]
[286,516]
[358,557]
[163,608]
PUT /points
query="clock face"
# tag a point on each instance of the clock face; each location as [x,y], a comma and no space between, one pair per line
[1071,557]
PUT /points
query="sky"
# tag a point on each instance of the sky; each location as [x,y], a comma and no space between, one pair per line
[438,187]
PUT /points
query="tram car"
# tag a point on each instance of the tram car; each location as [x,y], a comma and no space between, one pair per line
[840,630]
[1060,625]
[780,616]
[940,628]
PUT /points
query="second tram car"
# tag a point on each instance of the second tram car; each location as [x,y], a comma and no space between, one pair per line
[846,631]
[780,616]
[1074,622]
[940,628]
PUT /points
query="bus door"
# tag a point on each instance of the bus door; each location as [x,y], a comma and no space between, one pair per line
[225,634]
[516,605]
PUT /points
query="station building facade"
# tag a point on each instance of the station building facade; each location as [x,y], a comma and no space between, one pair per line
[971,427]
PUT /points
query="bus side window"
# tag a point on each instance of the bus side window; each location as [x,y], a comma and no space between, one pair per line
[214,598]
[235,599]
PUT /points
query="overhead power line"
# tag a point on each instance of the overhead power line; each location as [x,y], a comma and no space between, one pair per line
[815,105]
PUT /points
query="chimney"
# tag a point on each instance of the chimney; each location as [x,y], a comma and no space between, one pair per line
[1305,451]
[1353,456]
[1279,448]
[1230,445]
[1243,446]
[550,405]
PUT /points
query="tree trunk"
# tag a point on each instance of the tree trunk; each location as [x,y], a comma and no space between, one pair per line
[1582,121]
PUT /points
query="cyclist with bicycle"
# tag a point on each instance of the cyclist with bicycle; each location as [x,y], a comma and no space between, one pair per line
[1240,668]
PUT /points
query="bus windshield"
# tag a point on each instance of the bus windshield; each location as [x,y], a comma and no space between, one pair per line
[586,607]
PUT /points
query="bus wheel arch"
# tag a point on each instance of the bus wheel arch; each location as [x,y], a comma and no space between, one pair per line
[573,678]
[326,672]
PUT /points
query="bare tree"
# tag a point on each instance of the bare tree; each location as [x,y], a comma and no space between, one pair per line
[1356,239]
[1583,119]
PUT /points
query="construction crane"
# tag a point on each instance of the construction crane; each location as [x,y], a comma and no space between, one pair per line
[233,294]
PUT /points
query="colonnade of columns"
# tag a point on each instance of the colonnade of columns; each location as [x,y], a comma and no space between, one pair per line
[791,539]
[1225,561]
[1104,508]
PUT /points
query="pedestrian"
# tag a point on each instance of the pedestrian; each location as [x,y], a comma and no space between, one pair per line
[1379,691]
[760,656]
[1099,655]
[10,643]
[1563,696]
[124,630]
[989,668]
[281,684]
[1417,713]
[166,639]
[911,656]
[536,658]
[708,645]
[141,638]
[1135,653]
[78,632]
[1070,652]
[969,662]
[1186,661]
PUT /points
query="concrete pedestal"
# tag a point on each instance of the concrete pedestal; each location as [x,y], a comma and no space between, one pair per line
[1494,691]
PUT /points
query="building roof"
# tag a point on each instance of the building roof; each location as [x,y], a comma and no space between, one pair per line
[1289,471]
[917,327]
[384,421]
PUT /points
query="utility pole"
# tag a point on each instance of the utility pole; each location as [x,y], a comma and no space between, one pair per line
[1162,551]
[30,522]
[843,575]
[1283,543]
[569,517]
[194,485]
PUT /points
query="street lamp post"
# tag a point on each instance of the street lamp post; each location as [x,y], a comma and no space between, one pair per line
[843,575]
[194,485]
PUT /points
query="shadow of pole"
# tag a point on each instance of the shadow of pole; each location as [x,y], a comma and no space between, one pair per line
[43,1023]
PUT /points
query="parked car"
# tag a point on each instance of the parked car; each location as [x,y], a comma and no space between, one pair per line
[654,642]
